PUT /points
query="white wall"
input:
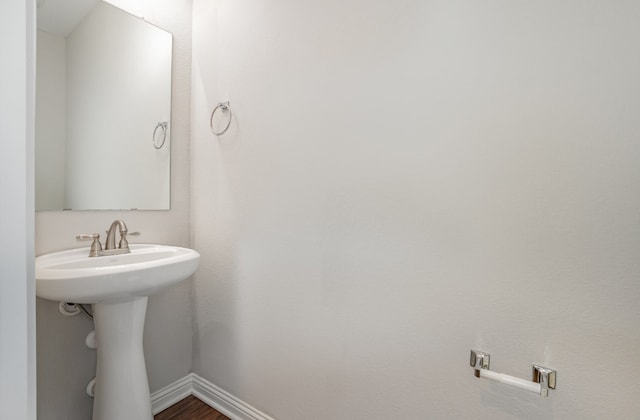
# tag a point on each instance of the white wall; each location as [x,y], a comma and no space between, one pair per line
[50,121]
[168,347]
[405,181]
[17,286]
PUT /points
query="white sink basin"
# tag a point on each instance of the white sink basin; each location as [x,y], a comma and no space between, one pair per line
[73,276]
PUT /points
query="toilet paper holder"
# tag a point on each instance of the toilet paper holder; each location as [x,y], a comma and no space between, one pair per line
[543,378]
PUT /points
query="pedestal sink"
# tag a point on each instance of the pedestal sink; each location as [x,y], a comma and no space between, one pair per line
[118,286]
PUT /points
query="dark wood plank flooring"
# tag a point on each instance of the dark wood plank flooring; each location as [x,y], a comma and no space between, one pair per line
[190,408]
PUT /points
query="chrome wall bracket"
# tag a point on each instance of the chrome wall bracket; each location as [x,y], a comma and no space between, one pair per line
[479,360]
[543,378]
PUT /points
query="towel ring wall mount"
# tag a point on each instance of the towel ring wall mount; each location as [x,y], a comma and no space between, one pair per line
[224,108]
[163,126]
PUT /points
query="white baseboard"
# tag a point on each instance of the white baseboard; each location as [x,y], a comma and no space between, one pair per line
[210,394]
[171,394]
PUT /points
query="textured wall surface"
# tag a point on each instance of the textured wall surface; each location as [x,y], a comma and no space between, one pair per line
[65,365]
[404,181]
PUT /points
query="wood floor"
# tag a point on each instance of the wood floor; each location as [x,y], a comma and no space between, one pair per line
[190,408]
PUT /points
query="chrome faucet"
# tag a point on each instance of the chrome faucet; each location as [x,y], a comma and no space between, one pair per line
[110,243]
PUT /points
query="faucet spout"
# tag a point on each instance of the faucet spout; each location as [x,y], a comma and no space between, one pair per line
[110,242]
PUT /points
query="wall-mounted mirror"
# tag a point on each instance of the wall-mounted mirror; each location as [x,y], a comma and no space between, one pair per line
[103,107]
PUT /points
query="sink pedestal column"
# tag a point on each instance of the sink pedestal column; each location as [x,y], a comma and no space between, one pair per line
[122,388]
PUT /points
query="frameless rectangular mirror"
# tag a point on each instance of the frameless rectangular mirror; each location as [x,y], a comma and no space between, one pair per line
[103,107]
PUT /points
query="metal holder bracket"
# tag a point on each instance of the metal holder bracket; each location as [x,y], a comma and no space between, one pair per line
[545,377]
[479,360]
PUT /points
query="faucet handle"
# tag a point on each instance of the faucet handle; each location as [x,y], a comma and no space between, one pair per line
[88,236]
[96,246]
[123,238]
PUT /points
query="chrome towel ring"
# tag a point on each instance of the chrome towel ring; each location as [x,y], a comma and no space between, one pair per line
[163,125]
[224,107]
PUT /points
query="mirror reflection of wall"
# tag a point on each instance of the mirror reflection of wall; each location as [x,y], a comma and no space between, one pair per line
[103,103]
